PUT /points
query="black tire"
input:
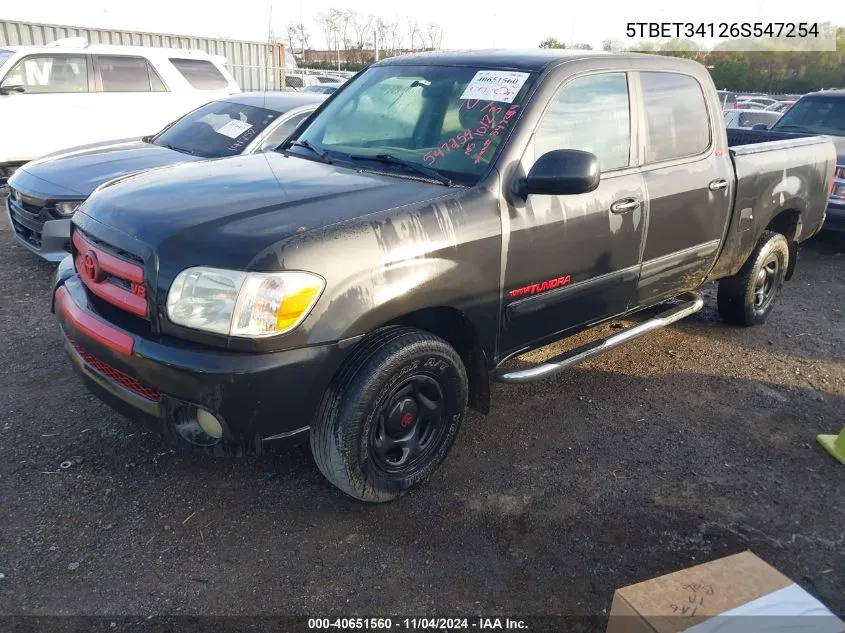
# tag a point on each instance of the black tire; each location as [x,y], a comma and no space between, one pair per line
[747,297]
[360,439]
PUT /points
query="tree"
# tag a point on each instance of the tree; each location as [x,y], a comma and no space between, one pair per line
[414,34]
[582,46]
[329,28]
[382,29]
[551,42]
[396,36]
[435,35]
[297,37]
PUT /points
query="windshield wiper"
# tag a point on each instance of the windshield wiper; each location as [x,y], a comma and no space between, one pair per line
[323,154]
[390,159]
[181,150]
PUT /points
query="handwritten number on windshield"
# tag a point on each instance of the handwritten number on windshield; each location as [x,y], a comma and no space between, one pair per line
[487,128]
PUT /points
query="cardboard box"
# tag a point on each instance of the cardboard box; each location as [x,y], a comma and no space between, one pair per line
[737,594]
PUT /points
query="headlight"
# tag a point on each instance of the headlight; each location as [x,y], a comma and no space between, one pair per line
[68,207]
[242,304]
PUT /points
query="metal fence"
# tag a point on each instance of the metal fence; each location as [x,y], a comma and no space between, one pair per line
[254,65]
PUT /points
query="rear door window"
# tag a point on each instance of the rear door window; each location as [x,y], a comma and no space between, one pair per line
[677,124]
[121,73]
[200,73]
[50,73]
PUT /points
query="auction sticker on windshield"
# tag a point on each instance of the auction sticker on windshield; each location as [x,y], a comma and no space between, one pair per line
[233,129]
[495,85]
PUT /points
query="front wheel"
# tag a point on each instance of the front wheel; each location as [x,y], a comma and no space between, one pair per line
[391,414]
[747,297]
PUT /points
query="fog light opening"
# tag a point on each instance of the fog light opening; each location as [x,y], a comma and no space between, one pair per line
[209,424]
[198,426]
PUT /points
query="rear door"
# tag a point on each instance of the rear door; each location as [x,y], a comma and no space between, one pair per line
[573,260]
[689,182]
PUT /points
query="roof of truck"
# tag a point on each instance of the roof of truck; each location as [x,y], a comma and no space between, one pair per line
[837,93]
[531,60]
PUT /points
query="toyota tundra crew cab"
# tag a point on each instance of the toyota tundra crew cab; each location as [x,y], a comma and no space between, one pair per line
[437,216]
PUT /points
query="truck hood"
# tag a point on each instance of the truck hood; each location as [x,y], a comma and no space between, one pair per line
[225,212]
[82,169]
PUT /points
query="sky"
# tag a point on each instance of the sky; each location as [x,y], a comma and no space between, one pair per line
[492,23]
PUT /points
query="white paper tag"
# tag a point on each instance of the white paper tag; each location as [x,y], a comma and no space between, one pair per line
[787,610]
[495,85]
[233,129]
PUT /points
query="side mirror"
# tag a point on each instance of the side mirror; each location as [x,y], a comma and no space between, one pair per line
[562,172]
[8,88]
[760,127]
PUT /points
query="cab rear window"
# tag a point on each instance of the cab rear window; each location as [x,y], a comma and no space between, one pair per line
[200,73]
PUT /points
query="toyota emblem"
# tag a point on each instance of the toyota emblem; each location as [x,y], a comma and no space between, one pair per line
[91,267]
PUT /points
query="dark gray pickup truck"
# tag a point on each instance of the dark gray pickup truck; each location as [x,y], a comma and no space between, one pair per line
[439,215]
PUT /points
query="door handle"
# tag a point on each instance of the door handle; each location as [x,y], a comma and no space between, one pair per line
[625,205]
[719,183]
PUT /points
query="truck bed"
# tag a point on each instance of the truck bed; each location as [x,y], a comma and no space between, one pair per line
[752,137]
[776,173]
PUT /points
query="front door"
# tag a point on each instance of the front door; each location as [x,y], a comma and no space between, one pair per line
[53,112]
[574,260]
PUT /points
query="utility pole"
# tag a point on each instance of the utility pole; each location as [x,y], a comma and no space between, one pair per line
[301,31]
[375,42]
[269,52]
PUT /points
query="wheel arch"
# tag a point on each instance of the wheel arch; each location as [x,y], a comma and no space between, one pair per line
[453,326]
[789,224]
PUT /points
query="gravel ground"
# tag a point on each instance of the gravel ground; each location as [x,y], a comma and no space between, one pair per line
[695,442]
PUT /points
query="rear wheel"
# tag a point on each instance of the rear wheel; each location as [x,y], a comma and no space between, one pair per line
[391,414]
[747,297]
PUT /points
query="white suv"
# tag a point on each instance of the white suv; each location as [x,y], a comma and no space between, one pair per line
[68,93]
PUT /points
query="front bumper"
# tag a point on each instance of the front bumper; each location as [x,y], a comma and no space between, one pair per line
[262,400]
[50,239]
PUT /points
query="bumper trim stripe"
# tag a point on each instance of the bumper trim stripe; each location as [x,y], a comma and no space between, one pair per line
[115,295]
[109,263]
[98,330]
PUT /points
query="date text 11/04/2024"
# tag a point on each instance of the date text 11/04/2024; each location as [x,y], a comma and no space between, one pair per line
[413,624]
[723,29]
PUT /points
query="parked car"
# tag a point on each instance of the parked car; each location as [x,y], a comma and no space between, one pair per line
[439,216]
[727,99]
[69,93]
[299,81]
[323,88]
[756,102]
[746,119]
[45,193]
[780,106]
[816,113]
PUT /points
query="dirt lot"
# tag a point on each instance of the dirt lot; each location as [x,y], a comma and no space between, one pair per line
[694,443]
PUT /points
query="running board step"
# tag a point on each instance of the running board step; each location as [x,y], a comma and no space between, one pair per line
[692,303]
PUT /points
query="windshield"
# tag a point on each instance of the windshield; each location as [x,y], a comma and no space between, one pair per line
[819,116]
[450,119]
[217,129]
